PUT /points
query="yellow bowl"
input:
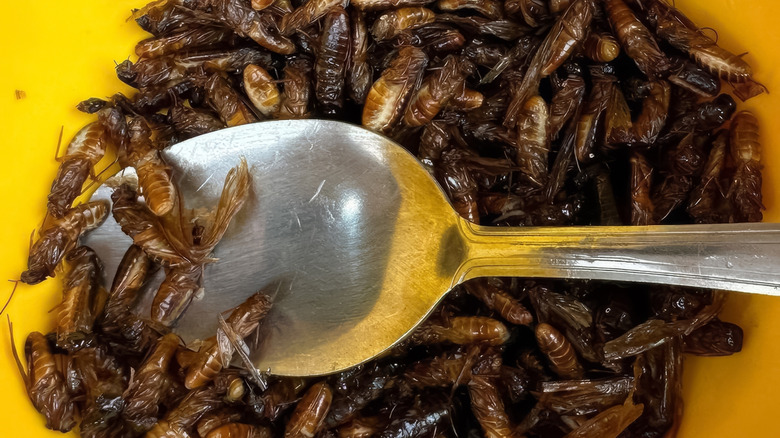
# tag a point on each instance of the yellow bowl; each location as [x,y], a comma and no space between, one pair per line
[56,54]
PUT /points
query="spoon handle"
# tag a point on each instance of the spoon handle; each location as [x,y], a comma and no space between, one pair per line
[737,257]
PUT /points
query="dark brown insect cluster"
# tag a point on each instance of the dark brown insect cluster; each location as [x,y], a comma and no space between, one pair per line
[528,112]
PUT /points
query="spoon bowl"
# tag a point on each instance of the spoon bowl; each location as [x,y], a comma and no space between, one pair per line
[358,243]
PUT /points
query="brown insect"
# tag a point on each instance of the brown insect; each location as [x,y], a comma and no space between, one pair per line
[59,238]
[683,163]
[307,14]
[491,9]
[618,127]
[332,55]
[466,99]
[226,101]
[611,422]
[359,72]
[745,190]
[45,384]
[297,89]
[142,402]
[563,360]
[463,330]
[437,89]
[601,47]
[244,320]
[533,12]
[378,5]
[190,122]
[189,39]
[453,173]
[492,292]
[154,176]
[558,45]
[84,151]
[707,200]
[559,6]
[533,141]
[178,421]
[642,209]
[176,292]
[488,407]
[568,97]
[636,40]
[392,23]
[239,430]
[590,118]
[262,27]
[309,414]
[216,419]
[655,110]
[389,94]
[357,391]
[690,76]
[446,370]
[75,315]
[717,338]
[261,89]
[279,396]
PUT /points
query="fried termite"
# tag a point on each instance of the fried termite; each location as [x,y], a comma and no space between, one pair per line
[226,101]
[533,142]
[393,22]
[154,177]
[590,119]
[310,412]
[83,153]
[745,149]
[59,238]
[486,401]
[492,292]
[246,22]
[683,163]
[601,47]
[705,51]
[491,9]
[642,208]
[261,89]
[436,90]
[559,6]
[706,201]
[190,122]
[217,418]
[180,420]
[609,423]
[716,338]
[75,315]
[239,430]
[148,385]
[44,383]
[280,396]
[296,89]
[351,395]
[332,57]
[690,76]
[453,173]
[389,94]
[189,39]
[562,358]
[655,110]
[307,14]
[583,397]
[430,412]
[569,93]
[636,40]
[244,320]
[462,330]
[558,45]
[359,72]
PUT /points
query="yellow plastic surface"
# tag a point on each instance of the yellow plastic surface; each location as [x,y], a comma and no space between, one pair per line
[58,54]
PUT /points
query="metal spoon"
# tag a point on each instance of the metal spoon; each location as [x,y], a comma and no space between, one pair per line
[360,244]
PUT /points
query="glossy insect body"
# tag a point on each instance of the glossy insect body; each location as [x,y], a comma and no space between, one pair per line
[601,47]
[352,395]
[216,419]
[359,72]
[83,153]
[188,39]
[192,122]
[329,71]
[491,292]
[244,320]
[491,9]
[717,338]
[75,314]
[706,200]
[179,420]
[559,351]
[297,88]
[261,89]
[310,412]
[745,190]
[590,119]
[245,21]
[389,94]
[429,412]
[690,76]
[569,94]
[684,162]
[227,103]
[655,110]
[391,23]
[463,330]
[154,177]
[559,6]
[642,209]
[239,430]
[175,293]
[533,142]
[59,238]
[488,407]
[148,385]
[45,384]
[636,39]
[454,175]
[610,423]
[436,90]
[447,370]
[307,14]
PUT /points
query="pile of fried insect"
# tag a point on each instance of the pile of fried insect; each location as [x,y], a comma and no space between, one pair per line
[528,112]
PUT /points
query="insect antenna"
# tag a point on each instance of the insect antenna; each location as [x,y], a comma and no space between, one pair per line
[96,178]
[16,353]
[59,143]
[16,283]
[717,37]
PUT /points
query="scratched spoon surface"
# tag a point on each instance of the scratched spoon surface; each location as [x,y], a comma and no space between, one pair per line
[359,244]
